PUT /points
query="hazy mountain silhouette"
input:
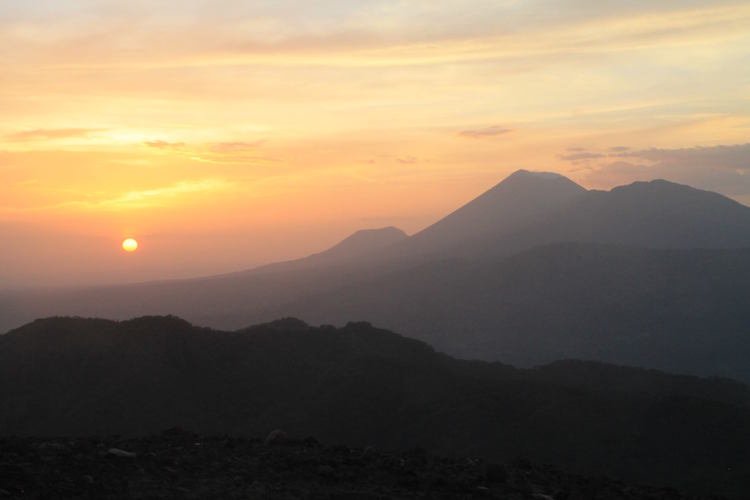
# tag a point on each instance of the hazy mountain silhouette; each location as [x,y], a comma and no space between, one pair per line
[530,209]
[364,242]
[651,274]
[361,385]
[521,200]
[656,214]
[685,311]
[362,245]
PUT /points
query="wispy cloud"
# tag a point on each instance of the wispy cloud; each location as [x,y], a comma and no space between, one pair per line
[230,152]
[235,146]
[143,198]
[724,168]
[48,134]
[158,144]
[407,160]
[581,155]
[366,33]
[156,196]
[724,156]
[480,133]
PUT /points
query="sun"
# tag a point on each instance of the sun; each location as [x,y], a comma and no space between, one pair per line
[129,245]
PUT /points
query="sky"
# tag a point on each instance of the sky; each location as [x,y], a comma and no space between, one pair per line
[223,135]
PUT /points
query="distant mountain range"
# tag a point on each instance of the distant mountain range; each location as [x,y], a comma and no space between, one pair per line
[529,209]
[537,269]
[361,386]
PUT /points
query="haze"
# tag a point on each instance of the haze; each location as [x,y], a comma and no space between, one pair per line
[257,132]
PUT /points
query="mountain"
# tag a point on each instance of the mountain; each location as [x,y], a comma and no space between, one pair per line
[652,274]
[365,386]
[364,244]
[521,200]
[531,209]
[656,214]
[684,311]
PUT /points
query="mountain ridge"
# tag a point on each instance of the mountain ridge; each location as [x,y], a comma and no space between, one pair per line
[655,214]
[363,385]
[566,296]
[524,194]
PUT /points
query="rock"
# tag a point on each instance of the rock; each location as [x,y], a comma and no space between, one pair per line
[178,434]
[255,490]
[496,473]
[310,442]
[326,470]
[117,452]
[247,469]
[541,496]
[483,491]
[53,446]
[276,436]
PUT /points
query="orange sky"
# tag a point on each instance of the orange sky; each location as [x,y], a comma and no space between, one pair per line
[223,138]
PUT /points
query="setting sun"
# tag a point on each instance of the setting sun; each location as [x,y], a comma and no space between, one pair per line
[130,245]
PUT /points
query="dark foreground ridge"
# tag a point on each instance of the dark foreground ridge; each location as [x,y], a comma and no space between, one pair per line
[179,464]
[359,386]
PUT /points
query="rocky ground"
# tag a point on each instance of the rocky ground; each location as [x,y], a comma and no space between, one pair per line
[179,464]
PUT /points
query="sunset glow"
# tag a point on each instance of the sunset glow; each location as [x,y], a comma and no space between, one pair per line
[263,131]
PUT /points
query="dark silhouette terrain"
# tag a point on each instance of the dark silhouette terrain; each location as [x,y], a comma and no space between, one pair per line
[359,386]
[653,274]
[684,311]
[180,464]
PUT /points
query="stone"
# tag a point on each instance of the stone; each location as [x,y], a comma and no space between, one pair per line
[117,452]
[496,473]
[276,436]
[326,470]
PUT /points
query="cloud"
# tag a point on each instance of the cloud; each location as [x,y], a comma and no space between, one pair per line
[235,146]
[142,198]
[724,168]
[480,133]
[435,30]
[155,196]
[580,156]
[407,160]
[163,144]
[47,134]
[219,153]
[724,156]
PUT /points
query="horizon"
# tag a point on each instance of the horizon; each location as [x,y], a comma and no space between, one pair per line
[226,139]
[327,246]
